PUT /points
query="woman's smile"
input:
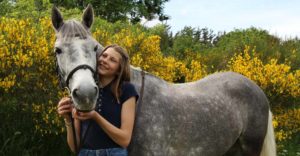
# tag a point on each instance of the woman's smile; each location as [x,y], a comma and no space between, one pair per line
[102,66]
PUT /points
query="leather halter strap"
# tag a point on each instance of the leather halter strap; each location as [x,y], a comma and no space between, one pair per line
[83,66]
[140,101]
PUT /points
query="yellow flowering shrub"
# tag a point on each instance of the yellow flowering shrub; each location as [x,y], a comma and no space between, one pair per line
[272,77]
[286,123]
[196,71]
[27,68]
[152,60]
[23,46]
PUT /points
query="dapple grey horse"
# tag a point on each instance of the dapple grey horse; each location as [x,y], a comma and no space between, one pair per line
[221,114]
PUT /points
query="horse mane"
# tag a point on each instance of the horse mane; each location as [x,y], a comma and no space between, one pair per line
[71,29]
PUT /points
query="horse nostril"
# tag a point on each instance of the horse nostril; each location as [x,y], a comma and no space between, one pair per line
[96,90]
[75,93]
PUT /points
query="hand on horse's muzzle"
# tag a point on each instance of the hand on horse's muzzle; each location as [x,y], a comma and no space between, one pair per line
[80,115]
[64,107]
[84,98]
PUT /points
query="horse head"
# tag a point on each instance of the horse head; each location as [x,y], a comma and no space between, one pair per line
[76,57]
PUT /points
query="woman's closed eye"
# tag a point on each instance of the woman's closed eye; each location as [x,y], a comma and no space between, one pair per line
[104,55]
[113,60]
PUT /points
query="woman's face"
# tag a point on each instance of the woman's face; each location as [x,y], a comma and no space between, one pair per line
[109,63]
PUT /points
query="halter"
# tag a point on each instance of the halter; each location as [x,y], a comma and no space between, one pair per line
[65,84]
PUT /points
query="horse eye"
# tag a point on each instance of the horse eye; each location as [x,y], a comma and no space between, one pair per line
[58,51]
[96,48]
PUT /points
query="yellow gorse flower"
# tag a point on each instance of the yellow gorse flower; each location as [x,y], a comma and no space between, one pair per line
[271,77]
[286,123]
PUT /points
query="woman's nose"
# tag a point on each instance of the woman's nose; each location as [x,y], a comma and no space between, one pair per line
[104,60]
[100,60]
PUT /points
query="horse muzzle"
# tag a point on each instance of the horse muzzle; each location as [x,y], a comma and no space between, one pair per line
[84,96]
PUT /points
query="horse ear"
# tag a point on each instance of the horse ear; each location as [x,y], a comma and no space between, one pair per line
[57,19]
[88,16]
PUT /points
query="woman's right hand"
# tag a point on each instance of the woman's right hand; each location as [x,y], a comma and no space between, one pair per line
[65,107]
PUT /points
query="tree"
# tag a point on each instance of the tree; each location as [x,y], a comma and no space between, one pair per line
[115,10]
[290,50]
[25,8]
[193,40]
[5,7]
[234,42]
[166,37]
[228,44]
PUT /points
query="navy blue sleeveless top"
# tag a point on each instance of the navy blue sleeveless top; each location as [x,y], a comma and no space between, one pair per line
[110,109]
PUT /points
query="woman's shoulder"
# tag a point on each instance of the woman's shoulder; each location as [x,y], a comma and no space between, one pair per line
[128,90]
[127,85]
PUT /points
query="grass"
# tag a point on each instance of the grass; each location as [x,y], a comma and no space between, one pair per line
[290,147]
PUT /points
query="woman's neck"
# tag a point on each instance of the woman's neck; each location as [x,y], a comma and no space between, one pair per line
[104,81]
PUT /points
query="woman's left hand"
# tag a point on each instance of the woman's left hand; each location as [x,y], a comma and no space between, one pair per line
[84,115]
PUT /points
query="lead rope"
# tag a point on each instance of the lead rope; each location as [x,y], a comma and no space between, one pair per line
[141,94]
[74,135]
[73,126]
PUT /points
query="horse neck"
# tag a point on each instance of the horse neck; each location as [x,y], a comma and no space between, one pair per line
[151,82]
[136,77]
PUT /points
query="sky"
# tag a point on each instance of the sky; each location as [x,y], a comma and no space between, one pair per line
[278,17]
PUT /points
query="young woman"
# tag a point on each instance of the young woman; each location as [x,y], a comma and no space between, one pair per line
[111,123]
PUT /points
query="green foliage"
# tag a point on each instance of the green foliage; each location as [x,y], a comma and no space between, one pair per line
[236,40]
[111,11]
[192,40]
[29,9]
[219,48]
[123,10]
[290,147]
[18,135]
[166,39]
[290,50]
[36,9]
[5,6]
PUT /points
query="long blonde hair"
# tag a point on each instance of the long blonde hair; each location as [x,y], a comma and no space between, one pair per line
[124,70]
